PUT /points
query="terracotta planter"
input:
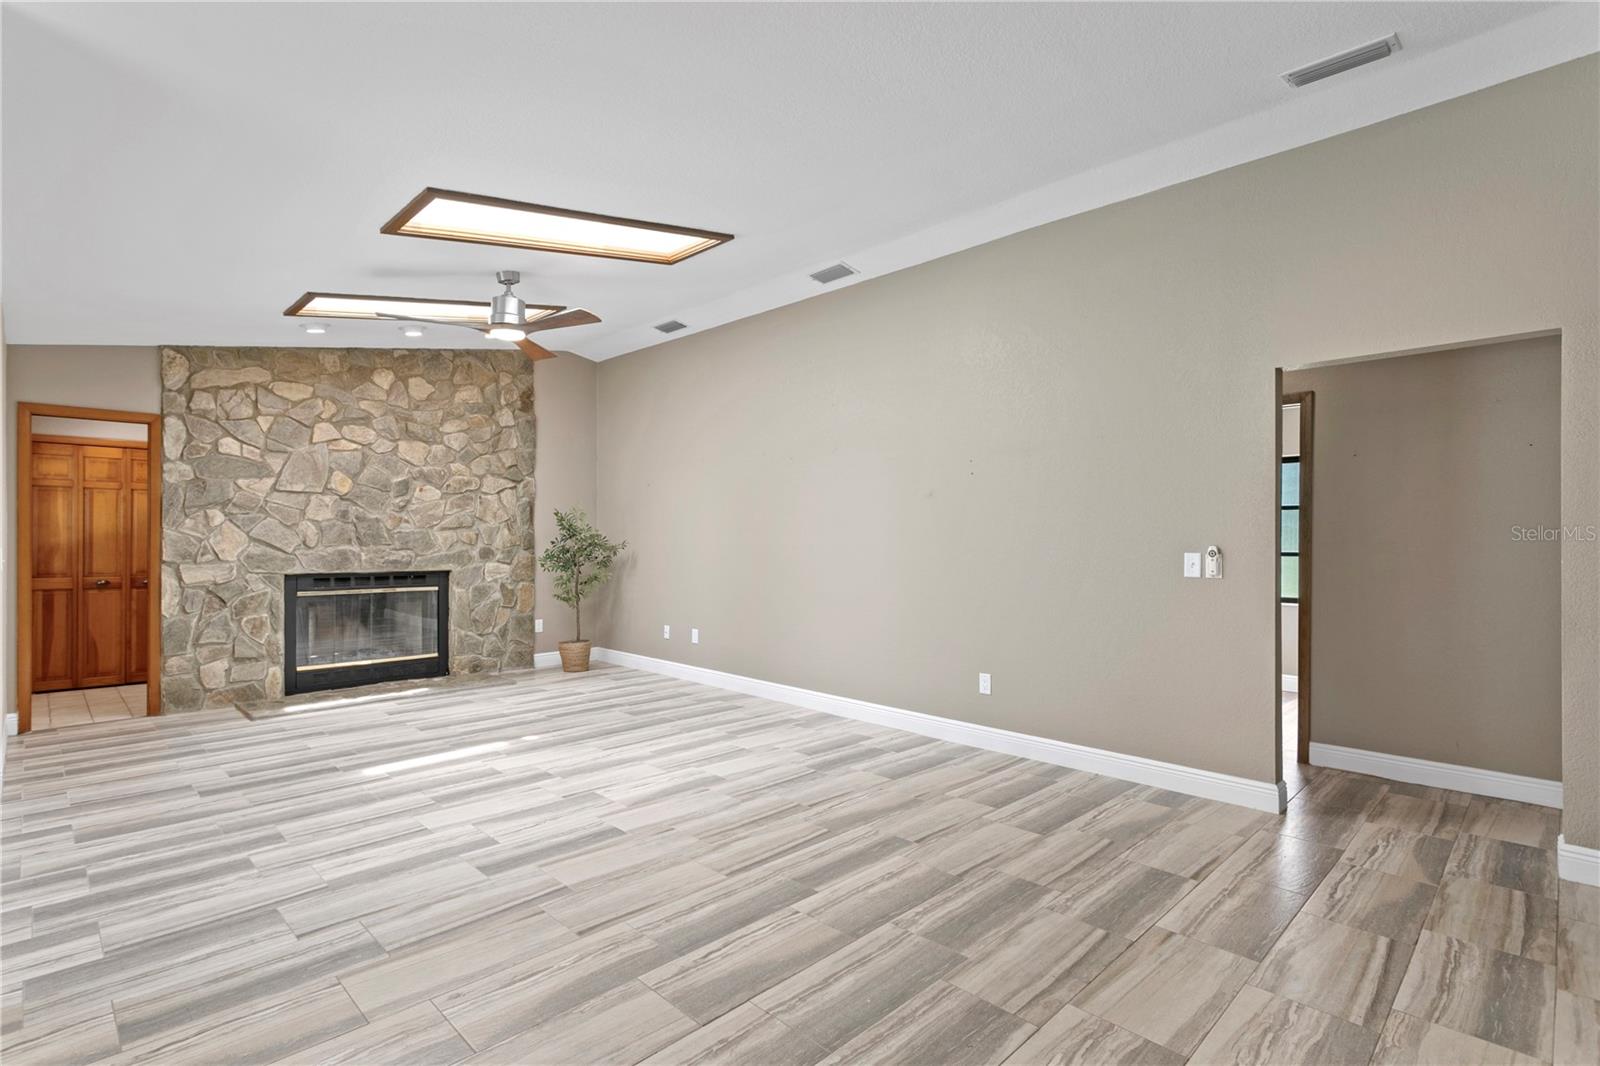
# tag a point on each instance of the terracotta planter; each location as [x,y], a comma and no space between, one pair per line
[574,656]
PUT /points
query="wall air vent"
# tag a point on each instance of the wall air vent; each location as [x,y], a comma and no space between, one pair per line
[828,275]
[671,325]
[1355,57]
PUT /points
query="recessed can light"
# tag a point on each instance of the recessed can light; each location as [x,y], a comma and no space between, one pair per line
[458,216]
[312,328]
[411,331]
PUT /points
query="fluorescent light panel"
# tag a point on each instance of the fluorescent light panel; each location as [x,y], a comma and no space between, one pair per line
[344,305]
[459,216]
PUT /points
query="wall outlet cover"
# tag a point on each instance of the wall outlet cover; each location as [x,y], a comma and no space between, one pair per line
[666,632]
[538,625]
[984,686]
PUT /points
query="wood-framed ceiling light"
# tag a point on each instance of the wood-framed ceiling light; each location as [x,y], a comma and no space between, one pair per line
[440,214]
[349,305]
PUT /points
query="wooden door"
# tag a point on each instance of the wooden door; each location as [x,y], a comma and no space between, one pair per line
[138,566]
[55,518]
[103,569]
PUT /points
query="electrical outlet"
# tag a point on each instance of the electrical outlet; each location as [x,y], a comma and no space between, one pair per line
[694,636]
[983,685]
[538,625]
[666,632]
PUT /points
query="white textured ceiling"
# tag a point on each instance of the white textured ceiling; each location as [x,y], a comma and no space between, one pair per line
[180,173]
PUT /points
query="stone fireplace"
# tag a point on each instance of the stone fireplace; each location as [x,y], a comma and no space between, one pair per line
[339,462]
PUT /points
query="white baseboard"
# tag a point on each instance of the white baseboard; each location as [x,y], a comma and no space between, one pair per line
[1438,774]
[1577,864]
[1290,683]
[543,659]
[1260,795]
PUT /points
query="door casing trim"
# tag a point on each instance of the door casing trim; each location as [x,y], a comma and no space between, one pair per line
[24,566]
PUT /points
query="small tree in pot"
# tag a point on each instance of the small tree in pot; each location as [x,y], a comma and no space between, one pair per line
[579,560]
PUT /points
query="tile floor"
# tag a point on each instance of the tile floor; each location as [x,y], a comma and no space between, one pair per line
[620,867]
[80,706]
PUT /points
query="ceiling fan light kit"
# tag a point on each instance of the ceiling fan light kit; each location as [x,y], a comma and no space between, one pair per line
[505,318]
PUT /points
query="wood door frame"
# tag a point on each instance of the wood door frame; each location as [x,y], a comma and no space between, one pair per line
[24,512]
[1307,402]
[94,442]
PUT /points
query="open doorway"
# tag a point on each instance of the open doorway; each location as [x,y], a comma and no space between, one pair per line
[1297,412]
[89,559]
[1436,607]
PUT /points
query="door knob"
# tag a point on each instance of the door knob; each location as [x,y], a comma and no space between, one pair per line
[141,584]
[102,583]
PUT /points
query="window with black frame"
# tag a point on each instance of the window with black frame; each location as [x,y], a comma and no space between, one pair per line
[1289,530]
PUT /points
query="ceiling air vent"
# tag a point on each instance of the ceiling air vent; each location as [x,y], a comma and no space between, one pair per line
[1355,57]
[671,325]
[828,275]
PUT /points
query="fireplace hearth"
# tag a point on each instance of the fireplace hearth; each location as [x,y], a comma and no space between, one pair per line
[342,630]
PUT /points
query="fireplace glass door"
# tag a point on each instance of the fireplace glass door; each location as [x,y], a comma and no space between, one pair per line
[363,629]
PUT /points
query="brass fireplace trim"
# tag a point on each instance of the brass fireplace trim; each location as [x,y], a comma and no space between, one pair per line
[367,592]
[366,662]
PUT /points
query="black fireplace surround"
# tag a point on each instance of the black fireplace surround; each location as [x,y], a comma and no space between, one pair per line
[341,630]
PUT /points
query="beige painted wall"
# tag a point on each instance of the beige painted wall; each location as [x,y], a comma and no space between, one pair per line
[564,411]
[120,378]
[994,461]
[1437,629]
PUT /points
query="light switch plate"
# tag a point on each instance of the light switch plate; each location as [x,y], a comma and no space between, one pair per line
[666,632]
[694,636]
[1191,564]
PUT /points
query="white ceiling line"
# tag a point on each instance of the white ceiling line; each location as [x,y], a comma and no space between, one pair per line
[1559,35]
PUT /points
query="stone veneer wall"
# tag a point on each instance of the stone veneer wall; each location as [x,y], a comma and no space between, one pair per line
[308,460]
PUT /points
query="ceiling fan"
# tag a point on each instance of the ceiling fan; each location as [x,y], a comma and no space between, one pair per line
[508,319]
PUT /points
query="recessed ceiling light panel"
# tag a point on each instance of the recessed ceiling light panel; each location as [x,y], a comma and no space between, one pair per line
[460,216]
[345,305]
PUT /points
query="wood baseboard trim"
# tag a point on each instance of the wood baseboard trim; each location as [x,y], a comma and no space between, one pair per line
[1258,795]
[1438,774]
[1577,864]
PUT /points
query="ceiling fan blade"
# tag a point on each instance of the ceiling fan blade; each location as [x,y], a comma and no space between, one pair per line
[575,317]
[534,351]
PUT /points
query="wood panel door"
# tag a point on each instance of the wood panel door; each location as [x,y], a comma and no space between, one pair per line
[55,517]
[103,573]
[138,567]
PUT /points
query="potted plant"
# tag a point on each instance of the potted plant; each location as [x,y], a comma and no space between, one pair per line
[580,561]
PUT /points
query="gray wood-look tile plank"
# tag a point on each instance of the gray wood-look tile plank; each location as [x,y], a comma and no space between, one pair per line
[1074,1038]
[745,1034]
[726,972]
[1167,988]
[1499,998]
[621,866]
[1338,969]
[1261,1027]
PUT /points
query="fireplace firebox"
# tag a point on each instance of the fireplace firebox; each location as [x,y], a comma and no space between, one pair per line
[358,629]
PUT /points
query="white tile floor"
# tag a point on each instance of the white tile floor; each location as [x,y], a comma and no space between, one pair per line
[80,706]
